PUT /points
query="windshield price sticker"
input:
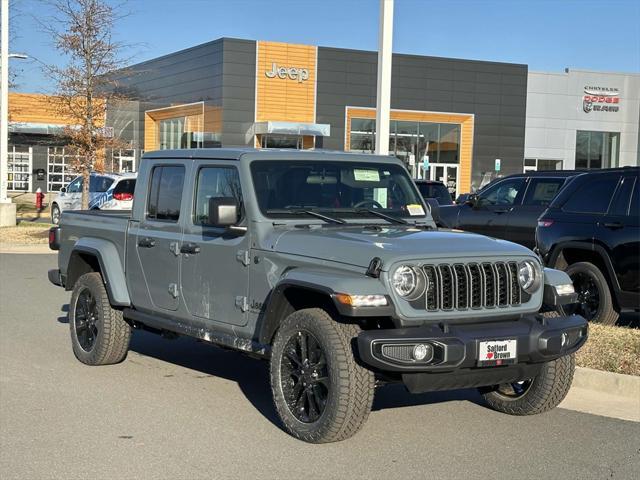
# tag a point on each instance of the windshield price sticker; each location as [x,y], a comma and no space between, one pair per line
[415,210]
[497,352]
[366,175]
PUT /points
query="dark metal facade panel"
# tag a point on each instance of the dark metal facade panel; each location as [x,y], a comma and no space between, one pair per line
[238,90]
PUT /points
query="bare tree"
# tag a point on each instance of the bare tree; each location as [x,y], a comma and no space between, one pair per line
[82,32]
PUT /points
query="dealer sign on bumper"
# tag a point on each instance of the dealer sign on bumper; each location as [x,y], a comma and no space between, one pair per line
[497,352]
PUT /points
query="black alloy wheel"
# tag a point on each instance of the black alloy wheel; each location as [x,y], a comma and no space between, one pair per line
[588,295]
[304,377]
[86,320]
[514,390]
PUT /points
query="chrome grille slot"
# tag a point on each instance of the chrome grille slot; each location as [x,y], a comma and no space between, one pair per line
[473,285]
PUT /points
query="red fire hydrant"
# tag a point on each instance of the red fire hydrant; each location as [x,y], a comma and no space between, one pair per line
[39,200]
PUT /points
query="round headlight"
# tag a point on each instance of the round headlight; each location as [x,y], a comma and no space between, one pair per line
[528,276]
[408,282]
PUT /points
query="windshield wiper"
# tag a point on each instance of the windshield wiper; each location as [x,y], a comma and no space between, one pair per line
[389,218]
[307,212]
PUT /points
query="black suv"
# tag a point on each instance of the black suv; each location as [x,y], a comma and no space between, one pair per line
[434,189]
[508,207]
[592,230]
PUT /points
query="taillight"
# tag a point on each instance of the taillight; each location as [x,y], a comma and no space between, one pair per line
[545,223]
[54,235]
[123,196]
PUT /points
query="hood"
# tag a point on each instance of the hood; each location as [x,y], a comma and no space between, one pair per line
[357,245]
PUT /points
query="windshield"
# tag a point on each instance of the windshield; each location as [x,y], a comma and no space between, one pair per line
[437,191]
[339,189]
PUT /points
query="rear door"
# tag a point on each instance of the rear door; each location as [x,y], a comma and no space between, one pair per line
[157,241]
[490,214]
[523,217]
[215,261]
[619,233]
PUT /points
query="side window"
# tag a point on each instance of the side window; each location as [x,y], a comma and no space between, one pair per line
[99,184]
[620,204]
[215,182]
[634,208]
[75,186]
[502,193]
[593,196]
[165,194]
[542,190]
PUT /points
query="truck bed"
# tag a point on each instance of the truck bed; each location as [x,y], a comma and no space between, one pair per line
[92,225]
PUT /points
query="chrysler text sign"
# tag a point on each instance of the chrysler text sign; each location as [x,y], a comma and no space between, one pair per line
[294,73]
[600,99]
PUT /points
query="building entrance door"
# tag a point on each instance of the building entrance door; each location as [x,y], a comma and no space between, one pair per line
[447,174]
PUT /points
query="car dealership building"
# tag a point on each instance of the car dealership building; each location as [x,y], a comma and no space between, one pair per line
[466,120]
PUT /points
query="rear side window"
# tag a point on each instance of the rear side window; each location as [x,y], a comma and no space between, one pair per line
[99,184]
[165,194]
[125,186]
[593,196]
[542,190]
[620,205]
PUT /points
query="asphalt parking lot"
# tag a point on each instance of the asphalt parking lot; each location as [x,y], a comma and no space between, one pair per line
[183,409]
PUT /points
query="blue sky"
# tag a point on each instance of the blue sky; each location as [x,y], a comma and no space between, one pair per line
[548,35]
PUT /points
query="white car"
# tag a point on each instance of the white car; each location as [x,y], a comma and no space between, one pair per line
[107,191]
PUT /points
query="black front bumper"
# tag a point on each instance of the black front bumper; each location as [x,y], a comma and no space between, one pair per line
[454,362]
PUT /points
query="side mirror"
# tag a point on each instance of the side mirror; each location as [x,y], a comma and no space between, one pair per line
[462,198]
[223,212]
[434,209]
[63,190]
[472,200]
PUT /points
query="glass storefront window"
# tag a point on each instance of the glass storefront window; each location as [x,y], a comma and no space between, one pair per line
[597,149]
[170,132]
[59,168]
[449,143]
[19,168]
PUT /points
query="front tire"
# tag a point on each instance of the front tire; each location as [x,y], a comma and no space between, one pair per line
[594,297]
[320,392]
[99,333]
[537,395]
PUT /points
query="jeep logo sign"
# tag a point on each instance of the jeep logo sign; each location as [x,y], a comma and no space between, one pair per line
[294,73]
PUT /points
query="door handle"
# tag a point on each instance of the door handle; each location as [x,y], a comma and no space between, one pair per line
[501,211]
[190,248]
[613,225]
[146,242]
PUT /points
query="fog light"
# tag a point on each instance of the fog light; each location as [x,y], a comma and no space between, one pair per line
[421,351]
[565,289]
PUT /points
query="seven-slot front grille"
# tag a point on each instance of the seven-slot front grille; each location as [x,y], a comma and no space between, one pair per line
[473,285]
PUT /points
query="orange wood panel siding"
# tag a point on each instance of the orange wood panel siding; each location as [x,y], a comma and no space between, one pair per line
[465,121]
[285,99]
[36,108]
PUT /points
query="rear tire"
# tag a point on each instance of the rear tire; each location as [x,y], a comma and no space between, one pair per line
[55,214]
[595,301]
[537,395]
[99,333]
[320,392]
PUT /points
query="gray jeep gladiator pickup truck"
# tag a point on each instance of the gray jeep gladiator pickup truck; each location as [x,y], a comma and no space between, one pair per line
[329,266]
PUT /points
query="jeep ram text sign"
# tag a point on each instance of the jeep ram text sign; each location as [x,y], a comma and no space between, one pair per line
[294,73]
[600,99]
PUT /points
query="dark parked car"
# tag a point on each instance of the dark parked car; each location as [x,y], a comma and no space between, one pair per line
[592,230]
[508,207]
[434,189]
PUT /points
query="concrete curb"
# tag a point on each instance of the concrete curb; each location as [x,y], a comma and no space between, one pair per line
[38,248]
[627,386]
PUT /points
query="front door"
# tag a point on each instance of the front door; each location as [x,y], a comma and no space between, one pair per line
[447,174]
[157,241]
[490,213]
[215,261]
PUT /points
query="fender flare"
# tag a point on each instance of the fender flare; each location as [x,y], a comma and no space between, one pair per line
[325,285]
[110,267]
[591,247]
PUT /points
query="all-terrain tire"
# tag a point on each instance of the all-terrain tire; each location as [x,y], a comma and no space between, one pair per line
[351,386]
[606,313]
[544,392]
[111,342]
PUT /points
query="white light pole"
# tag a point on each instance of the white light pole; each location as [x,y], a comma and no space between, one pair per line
[385,46]
[7,209]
